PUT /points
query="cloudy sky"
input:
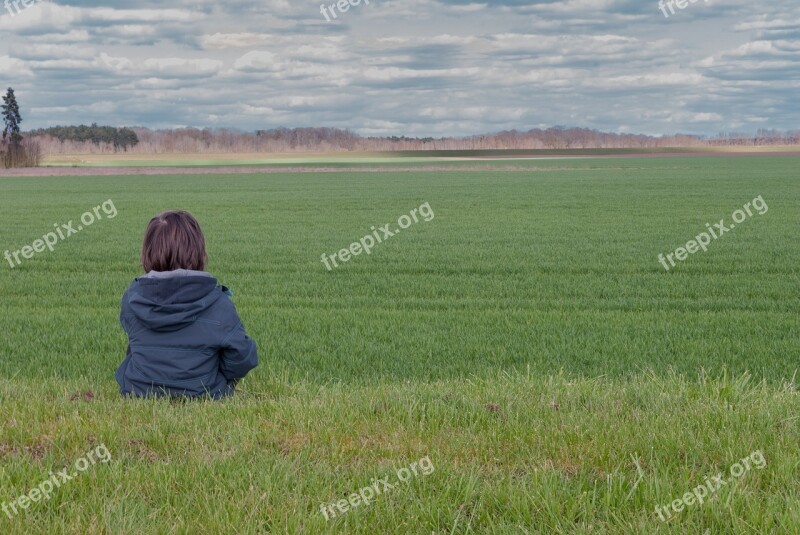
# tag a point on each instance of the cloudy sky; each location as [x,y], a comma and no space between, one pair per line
[413,67]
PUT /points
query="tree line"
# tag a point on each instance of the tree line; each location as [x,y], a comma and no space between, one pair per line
[116,138]
[17,150]
[61,140]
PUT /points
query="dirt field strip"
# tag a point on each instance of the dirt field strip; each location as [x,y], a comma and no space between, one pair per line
[139,171]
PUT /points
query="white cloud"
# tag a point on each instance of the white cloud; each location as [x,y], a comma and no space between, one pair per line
[418,67]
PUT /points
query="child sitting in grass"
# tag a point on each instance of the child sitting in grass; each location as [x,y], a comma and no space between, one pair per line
[185,337]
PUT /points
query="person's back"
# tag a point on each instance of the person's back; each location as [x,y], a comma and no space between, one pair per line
[185,336]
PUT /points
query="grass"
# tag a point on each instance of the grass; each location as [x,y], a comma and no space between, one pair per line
[526,339]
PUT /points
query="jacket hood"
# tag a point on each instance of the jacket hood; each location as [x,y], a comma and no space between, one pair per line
[173,302]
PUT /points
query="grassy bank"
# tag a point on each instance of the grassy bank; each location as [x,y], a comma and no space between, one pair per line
[512,454]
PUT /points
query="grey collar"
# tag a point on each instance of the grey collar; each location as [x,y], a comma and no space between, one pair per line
[176,273]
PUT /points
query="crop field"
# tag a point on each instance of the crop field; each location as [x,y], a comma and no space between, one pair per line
[525,340]
[414,157]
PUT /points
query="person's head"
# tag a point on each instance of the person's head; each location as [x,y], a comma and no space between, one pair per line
[173,240]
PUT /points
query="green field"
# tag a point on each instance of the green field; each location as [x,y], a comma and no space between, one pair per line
[408,158]
[526,340]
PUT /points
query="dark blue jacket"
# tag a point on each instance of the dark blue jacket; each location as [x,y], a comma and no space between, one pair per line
[185,338]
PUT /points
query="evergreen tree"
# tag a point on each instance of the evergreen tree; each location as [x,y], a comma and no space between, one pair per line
[11,119]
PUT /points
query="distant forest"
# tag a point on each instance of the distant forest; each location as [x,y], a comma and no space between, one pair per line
[105,139]
[99,136]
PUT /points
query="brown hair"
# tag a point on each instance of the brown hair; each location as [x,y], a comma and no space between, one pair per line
[173,240]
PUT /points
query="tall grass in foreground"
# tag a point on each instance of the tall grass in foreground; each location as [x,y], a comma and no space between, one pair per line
[512,454]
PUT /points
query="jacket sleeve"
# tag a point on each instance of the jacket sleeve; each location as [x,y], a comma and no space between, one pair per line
[238,353]
[124,312]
